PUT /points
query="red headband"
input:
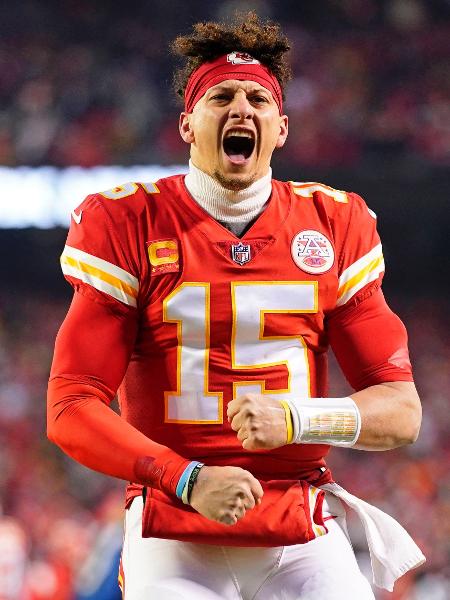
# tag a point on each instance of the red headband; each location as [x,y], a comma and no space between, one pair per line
[236,65]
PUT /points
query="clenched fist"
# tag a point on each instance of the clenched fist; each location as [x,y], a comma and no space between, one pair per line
[259,421]
[224,494]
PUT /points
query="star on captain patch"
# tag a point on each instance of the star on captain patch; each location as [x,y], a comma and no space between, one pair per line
[240,253]
[312,251]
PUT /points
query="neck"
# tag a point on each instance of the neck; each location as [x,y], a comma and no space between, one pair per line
[225,205]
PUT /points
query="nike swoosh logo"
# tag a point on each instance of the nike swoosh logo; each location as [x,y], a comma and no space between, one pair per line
[77,218]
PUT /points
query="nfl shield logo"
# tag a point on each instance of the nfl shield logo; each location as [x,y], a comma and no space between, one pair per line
[240,253]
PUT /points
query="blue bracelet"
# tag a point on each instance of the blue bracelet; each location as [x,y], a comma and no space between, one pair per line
[184,477]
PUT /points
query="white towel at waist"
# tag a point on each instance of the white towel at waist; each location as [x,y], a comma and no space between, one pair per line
[393,552]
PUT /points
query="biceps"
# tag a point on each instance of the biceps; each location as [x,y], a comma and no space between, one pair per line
[94,343]
[370,343]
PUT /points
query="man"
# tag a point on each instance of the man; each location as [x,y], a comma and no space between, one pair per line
[209,301]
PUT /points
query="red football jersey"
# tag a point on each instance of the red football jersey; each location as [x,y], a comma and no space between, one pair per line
[221,315]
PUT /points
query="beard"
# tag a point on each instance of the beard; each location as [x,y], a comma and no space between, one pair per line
[236,183]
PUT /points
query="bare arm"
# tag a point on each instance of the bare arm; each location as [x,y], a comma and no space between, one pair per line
[391,414]
[390,417]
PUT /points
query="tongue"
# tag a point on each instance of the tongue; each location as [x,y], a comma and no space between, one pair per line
[237,158]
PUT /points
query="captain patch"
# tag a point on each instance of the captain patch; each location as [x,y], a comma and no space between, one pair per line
[312,251]
[163,256]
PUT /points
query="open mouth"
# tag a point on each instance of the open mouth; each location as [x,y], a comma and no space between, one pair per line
[238,145]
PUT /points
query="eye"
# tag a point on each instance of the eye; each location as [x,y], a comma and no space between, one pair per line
[259,99]
[222,97]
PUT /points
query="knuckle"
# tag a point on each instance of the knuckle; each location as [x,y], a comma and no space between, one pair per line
[255,440]
[249,502]
[226,517]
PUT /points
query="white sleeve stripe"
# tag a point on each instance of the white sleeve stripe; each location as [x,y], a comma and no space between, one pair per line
[103,265]
[360,264]
[99,284]
[370,276]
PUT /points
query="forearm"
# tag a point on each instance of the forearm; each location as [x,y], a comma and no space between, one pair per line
[80,423]
[380,417]
[86,429]
[390,415]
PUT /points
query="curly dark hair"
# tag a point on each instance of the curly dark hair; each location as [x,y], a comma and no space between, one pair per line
[246,33]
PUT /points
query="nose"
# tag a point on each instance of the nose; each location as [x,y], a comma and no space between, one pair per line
[240,107]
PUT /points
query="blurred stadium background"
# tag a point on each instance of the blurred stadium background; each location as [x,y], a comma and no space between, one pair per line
[85,104]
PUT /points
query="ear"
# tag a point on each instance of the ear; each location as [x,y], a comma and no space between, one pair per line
[283,131]
[185,129]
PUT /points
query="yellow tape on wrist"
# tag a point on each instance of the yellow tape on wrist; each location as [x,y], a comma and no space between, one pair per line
[288,417]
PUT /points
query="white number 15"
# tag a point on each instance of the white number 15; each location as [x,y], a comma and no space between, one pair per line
[189,307]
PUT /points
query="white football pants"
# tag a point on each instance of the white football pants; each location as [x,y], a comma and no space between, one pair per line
[323,569]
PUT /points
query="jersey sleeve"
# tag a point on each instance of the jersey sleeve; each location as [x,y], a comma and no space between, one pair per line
[369,340]
[101,258]
[92,351]
[361,260]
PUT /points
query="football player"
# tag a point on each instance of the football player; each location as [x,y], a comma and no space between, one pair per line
[209,301]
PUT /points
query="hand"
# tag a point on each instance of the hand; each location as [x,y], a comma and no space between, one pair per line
[224,494]
[259,420]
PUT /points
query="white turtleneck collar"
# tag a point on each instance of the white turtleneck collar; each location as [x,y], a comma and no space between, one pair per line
[224,205]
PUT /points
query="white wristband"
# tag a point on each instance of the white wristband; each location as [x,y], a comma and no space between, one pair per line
[334,421]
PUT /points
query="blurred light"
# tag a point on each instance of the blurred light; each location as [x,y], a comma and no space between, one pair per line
[44,196]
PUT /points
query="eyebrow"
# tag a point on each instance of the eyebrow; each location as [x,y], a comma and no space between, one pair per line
[228,88]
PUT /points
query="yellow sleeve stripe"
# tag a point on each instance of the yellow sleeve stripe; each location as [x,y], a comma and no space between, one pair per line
[356,282]
[359,264]
[100,274]
[289,425]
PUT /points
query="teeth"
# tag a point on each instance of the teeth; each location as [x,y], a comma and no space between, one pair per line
[243,134]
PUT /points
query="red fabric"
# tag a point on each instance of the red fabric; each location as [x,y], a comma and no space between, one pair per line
[94,435]
[355,233]
[95,342]
[282,518]
[117,231]
[106,345]
[83,378]
[235,65]
[370,341]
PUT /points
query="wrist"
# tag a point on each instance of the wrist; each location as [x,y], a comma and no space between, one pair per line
[333,421]
[184,485]
[289,423]
[162,472]
[189,486]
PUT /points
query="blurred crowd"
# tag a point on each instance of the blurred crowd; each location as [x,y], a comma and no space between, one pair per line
[86,83]
[61,524]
